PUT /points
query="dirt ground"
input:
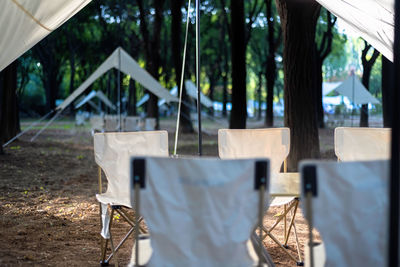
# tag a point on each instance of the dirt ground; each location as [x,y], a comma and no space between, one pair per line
[48,211]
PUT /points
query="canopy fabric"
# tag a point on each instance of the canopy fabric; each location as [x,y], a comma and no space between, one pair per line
[355,91]
[191,90]
[328,87]
[373,20]
[92,95]
[31,21]
[121,60]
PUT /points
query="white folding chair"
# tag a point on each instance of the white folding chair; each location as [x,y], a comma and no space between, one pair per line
[111,123]
[112,153]
[362,143]
[131,124]
[273,143]
[347,203]
[97,123]
[200,211]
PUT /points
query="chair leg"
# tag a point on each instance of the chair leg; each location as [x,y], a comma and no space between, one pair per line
[292,221]
[112,242]
[292,208]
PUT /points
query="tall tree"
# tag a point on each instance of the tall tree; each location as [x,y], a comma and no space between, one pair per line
[152,48]
[367,68]
[270,71]
[298,22]
[9,116]
[238,57]
[176,26]
[387,92]
[322,51]
[48,51]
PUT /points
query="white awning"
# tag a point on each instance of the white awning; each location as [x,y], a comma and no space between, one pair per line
[355,91]
[191,90]
[23,23]
[92,95]
[372,19]
[121,60]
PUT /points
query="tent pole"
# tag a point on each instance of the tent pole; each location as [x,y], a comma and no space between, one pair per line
[119,90]
[27,129]
[198,74]
[46,125]
[394,187]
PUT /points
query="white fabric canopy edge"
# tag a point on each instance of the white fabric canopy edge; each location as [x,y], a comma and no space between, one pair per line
[31,21]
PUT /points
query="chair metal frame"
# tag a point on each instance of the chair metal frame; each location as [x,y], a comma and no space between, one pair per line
[122,211]
[292,208]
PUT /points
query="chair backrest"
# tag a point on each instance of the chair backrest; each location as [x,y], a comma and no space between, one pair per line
[362,143]
[97,122]
[113,152]
[131,123]
[272,143]
[200,211]
[111,123]
[350,210]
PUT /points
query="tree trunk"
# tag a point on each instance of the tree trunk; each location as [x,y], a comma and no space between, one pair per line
[152,49]
[270,76]
[238,58]
[224,94]
[270,73]
[298,21]
[367,68]
[9,115]
[259,93]
[211,95]
[186,123]
[387,92]
[318,93]
[132,98]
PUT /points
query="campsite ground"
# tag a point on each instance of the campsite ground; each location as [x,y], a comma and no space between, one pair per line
[48,211]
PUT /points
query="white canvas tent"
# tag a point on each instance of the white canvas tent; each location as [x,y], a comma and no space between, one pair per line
[191,91]
[25,22]
[353,89]
[122,61]
[93,94]
[373,20]
[328,87]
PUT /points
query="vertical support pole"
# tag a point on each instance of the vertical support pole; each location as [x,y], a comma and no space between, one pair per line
[198,75]
[261,181]
[119,90]
[393,241]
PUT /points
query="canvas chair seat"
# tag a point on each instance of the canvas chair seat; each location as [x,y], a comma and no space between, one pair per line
[272,143]
[200,211]
[355,144]
[348,205]
[112,153]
